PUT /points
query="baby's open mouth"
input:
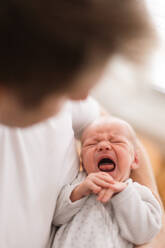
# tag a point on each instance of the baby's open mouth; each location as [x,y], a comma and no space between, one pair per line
[106,165]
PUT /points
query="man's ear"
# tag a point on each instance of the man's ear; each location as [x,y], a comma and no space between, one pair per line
[135,163]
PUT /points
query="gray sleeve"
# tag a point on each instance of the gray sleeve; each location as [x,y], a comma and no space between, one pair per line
[65,208]
[137,213]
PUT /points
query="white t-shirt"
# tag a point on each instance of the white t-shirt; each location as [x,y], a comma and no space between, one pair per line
[35,163]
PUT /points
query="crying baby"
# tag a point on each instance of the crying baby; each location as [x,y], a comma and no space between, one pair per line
[103,207]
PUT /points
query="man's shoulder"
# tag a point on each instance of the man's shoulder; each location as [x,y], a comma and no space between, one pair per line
[83,113]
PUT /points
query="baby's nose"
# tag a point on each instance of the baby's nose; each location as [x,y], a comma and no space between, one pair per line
[104,146]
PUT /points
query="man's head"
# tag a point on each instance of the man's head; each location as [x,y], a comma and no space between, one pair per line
[109,145]
[58,49]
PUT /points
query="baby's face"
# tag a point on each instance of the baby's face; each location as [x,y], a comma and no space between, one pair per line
[107,146]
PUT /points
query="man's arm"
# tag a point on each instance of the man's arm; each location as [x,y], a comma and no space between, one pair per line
[159,240]
[144,175]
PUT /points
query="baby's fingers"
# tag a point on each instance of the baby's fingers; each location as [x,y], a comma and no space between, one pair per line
[101,182]
[118,186]
[101,194]
[93,187]
[106,177]
[106,195]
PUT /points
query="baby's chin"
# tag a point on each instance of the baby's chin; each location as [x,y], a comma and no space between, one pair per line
[114,175]
[121,179]
[117,177]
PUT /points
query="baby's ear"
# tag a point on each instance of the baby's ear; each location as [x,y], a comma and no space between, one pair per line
[135,163]
[80,155]
[81,162]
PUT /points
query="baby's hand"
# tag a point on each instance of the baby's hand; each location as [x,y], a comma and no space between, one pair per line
[93,183]
[106,194]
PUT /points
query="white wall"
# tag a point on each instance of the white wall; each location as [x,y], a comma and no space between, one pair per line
[126,92]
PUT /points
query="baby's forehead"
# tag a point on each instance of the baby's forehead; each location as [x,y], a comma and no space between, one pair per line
[110,126]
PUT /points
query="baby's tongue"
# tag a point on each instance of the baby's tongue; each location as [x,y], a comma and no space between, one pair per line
[106,167]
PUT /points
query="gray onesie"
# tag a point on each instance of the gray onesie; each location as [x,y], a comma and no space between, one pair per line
[133,216]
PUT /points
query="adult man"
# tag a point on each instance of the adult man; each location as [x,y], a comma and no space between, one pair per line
[51,51]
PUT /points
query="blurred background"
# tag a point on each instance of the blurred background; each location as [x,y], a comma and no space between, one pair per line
[137,94]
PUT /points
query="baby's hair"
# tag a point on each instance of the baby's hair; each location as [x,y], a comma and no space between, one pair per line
[131,135]
[45,44]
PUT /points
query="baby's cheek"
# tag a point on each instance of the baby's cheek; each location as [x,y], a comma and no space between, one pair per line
[87,157]
[125,157]
[90,157]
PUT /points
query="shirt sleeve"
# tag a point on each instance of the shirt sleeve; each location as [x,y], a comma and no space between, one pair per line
[138,213]
[83,113]
[65,208]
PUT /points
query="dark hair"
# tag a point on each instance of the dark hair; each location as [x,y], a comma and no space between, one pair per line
[44,43]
